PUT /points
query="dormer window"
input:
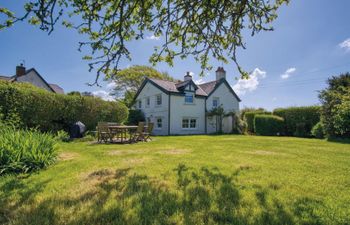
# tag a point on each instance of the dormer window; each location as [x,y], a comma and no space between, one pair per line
[189,98]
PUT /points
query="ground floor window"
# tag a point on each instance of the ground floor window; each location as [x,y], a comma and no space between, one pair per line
[159,123]
[189,123]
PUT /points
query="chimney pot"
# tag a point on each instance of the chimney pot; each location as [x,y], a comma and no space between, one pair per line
[220,73]
[20,70]
[187,76]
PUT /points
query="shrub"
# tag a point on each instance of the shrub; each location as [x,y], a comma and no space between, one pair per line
[239,126]
[249,118]
[23,151]
[268,125]
[62,136]
[318,131]
[335,113]
[135,116]
[299,120]
[34,107]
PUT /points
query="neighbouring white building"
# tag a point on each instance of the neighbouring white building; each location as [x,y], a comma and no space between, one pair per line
[32,76]
[182,107]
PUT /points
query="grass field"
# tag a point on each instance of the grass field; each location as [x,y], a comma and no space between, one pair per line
[186,180]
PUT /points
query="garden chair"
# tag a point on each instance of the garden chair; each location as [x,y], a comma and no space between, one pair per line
[138,134]
[147,134]
[103,132]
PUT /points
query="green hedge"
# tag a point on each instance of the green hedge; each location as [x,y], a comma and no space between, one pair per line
[268,125]
[31,106]
[135,116]
[299,121]
[249,118]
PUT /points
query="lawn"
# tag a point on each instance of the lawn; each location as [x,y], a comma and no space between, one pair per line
[226,179]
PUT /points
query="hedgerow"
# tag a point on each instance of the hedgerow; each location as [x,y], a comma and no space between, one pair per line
[33,107]
[268,125]
[249,118]
[299,120]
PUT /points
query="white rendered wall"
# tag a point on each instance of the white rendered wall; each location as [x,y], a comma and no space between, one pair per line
[154,111]
[228,101]
[179,110]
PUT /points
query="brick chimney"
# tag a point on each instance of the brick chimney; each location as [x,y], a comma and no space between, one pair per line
[187,76]
[20,70]
[220,73]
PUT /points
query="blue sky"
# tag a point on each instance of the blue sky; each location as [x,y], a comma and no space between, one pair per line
[311,42]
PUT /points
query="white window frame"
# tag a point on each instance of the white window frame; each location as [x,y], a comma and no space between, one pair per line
[161,100]
[148,102]
[156,123]
[189,94]
[217,102]
[139,104]
[189,119]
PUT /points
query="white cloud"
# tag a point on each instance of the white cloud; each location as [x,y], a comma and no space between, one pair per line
[152,37]
[199,81]
[288,73]
[345,44]
[111,85]
[105,95]
[251,84]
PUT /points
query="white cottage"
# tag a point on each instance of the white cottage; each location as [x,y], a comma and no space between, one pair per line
[181,107]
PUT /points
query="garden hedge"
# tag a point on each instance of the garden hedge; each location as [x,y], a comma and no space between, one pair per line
[249,118]
[299,121]
[268,125]
[30,106]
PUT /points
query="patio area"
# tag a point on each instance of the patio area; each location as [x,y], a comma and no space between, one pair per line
[115,133]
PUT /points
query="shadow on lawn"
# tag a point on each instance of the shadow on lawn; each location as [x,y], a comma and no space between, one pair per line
[201,197]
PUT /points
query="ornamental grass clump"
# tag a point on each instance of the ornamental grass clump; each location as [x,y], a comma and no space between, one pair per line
[25,151]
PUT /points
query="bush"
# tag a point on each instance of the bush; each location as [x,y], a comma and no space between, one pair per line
[62,136]
[23,151]
[335,114]
[299,120]
[268,125]
[318,131]
[249,118]
[34,107]
[135,116]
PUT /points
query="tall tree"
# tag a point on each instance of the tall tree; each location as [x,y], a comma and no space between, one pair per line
[335,113]
[188,28]
[128,80]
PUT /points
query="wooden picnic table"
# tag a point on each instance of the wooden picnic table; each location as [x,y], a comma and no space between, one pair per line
[123,131]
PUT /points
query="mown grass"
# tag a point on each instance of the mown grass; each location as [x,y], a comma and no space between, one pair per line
[224,179]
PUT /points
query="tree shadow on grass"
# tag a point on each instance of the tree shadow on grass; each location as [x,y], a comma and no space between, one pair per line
[204,196]
[23,193]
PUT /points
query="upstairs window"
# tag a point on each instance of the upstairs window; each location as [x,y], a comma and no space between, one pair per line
[140,104]
[159,99]
[148,101]
[188,98]
[215,102]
